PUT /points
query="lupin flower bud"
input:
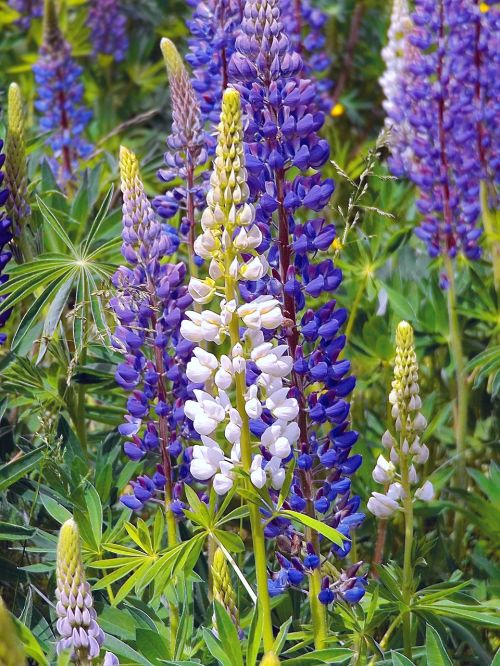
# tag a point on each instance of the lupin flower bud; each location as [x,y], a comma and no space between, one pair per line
[149,304]
[77,619]
[60,95]
[5,239]
[11,650]
[108,28]
[409,423]
[270,659]
[186,146]
[18,209]
[223,590]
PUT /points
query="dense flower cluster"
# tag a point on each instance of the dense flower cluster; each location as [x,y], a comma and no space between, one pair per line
[108,28]
[59,99]
[5,238]
[77,619]
[441,98]
[16,178]
[149,305]
[281,135]
[228,242]
[409,423]
[187,148]
[214,26]
[305,26]
[28,10]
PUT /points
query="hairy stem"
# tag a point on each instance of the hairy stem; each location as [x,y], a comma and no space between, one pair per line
[460,411]
[259,545]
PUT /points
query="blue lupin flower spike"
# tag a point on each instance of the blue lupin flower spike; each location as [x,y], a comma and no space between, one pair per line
[59,100]
[282,127]
[108,28]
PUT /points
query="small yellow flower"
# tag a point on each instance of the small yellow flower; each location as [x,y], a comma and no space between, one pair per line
[336,246]
[337,110]
[484,7]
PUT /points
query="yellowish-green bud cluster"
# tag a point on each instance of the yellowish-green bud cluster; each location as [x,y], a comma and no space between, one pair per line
[223,590]
[11,650]
[270,659]
[399,472]
[76,622]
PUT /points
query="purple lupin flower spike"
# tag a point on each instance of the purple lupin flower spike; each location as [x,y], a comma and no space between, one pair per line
[281,135]
[59,101]
[149,305]
[187,149]
[5,238]
[214,26]
[108,28]
[28,9]
[440,104]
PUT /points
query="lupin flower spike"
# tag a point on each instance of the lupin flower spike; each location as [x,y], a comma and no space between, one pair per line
[5,238]
[223,590]
[149,305]
[400,471]
[229,243]
[186,145]
[11,650]
[108,28]
[441,100]
[60,95]
[16,179]
[77,619]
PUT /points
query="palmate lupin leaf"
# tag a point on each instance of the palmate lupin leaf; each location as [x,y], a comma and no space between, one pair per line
[75,268]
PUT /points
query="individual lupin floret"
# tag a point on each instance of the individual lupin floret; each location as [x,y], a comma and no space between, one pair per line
[11,650]
[223,590]
[59,99]
[186,145]
[77,619]
[16,179]
[108,28]
[400,471]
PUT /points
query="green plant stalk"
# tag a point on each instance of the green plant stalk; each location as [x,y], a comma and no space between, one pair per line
[492,229]
[386,638]
[259,545]
[318,613]
[408,547]
[81,426]
[355,306]
[462,400]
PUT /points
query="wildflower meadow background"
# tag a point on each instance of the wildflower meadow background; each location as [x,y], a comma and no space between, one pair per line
[249,332]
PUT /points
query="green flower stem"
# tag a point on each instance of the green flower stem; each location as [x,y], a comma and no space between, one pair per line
[355,306]
[492,229]
[386,638]
[318,612]
[259,546]
[408,547]
[460,412]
